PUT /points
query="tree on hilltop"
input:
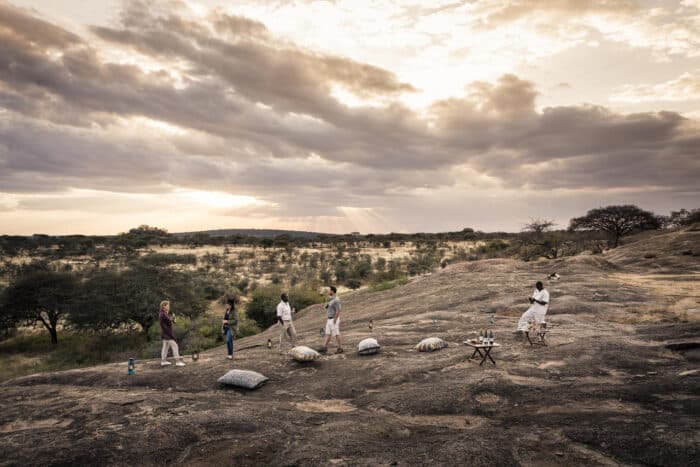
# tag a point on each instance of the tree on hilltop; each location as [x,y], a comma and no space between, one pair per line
[618,221]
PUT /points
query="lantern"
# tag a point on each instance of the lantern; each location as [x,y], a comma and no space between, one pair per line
[130,367]
[269,343]
[195,355]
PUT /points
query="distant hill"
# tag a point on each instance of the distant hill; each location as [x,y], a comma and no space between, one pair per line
[258,233]
[667,251]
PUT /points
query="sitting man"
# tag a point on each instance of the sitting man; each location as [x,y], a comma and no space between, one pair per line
[538,308]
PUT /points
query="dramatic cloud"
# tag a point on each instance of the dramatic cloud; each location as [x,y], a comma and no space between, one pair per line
[684,88]
[175,106]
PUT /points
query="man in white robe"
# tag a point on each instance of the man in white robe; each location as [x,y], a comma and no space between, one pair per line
[538,308]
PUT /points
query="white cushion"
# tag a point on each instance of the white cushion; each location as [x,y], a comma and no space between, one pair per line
[368,346]
[430,344]
[301,353]
[243,379]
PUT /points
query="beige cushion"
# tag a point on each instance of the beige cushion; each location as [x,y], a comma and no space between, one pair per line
[243,379]
[301,353]
[430,344]
[368,346]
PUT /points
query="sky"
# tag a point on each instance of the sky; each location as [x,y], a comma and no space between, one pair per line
[348,115]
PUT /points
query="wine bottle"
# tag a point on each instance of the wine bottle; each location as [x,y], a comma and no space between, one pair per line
[491,337]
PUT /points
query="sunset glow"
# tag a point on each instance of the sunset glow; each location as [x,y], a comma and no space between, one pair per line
[346,115]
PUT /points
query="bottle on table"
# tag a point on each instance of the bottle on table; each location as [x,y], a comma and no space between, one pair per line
[491,337]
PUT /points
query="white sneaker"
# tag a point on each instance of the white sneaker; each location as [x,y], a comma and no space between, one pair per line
[165,363]
[180,364]
[230,357]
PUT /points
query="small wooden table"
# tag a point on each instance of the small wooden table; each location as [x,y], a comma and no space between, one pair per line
[539,332]
[477,350]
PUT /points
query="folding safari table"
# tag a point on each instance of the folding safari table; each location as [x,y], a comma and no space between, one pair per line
[539,333]
[478,347]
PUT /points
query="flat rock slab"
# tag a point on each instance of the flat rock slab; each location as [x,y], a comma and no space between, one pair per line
[326,406]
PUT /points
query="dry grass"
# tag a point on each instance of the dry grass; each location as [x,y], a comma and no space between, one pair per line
[678,297]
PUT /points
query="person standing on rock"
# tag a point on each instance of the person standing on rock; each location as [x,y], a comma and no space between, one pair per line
[333,321]
[284,316]
[167,335]
[538,308]
[230,325]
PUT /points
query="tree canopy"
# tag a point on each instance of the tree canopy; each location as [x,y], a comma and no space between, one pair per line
[111,299]
[44,297]
[617,221]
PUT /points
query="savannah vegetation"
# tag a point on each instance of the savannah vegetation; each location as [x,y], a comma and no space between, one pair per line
[68,301]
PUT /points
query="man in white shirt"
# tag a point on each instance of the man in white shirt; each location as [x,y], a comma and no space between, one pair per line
[284,316]
[538,308]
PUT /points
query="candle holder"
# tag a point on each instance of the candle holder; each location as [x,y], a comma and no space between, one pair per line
[195,355]
[130,367]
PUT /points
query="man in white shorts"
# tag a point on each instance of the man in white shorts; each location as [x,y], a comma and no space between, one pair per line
[333,322]
[538,308]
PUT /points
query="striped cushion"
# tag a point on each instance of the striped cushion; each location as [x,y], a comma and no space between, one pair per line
[302,353]
[430,344]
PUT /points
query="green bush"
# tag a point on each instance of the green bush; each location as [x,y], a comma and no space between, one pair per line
[303,296]
[166,259]
[246,326]
[421,263]
[262,307]
[494,248]
[212,291]
[386,285]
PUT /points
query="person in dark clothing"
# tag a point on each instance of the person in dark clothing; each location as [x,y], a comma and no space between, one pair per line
[230,325]
[168,336]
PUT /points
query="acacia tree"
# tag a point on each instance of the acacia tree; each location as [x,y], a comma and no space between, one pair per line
[112,299]
[538,235]
[44,297]
[617,221]
[538,226]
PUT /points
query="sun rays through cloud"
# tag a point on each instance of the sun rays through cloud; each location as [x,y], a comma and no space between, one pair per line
[342,116]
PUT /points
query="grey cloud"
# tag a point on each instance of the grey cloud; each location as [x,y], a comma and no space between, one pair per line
[579,146]
[55,131]
[27,27]
[509,11]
